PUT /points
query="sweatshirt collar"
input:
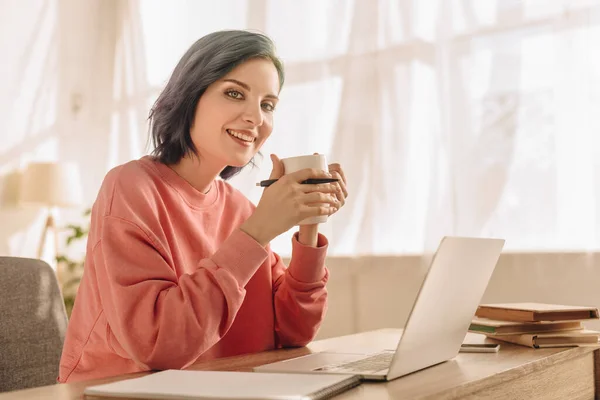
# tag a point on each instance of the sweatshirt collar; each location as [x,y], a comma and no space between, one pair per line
[190,195]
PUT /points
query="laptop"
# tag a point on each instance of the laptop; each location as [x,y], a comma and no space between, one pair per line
[437,324]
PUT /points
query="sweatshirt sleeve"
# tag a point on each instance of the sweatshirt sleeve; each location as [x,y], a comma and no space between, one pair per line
[300,293]
[157,319]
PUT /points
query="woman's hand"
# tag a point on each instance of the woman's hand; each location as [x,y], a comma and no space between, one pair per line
[308,234]
[287,202]
[341,193]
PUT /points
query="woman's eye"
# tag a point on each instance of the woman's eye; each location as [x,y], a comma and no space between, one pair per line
[268,107]
[234,94]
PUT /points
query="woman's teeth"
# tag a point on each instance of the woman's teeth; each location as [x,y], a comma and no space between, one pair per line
[241,136]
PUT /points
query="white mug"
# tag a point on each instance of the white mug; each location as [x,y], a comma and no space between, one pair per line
[293,164]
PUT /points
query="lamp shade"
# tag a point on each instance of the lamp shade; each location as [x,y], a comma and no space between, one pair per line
[51,185]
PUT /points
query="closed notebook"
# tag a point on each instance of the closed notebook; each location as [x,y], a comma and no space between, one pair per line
[221,385]
[494,327]
[554,339]
[535,312]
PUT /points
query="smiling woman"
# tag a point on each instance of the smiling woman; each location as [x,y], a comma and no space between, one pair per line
[234,117]
[222,65]
[179,265]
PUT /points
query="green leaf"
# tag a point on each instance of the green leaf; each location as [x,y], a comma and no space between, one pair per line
[72,266]
[60,259]
[71,282]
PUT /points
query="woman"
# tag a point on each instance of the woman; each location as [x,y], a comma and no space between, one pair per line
[178,265]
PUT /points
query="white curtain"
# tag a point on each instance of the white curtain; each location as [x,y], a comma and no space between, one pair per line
[450,117]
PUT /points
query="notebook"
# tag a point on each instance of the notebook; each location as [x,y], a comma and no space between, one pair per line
[493,327]
[535,312]
[553,339]
[222,385]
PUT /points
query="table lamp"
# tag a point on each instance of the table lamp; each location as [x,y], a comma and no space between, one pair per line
[51,185]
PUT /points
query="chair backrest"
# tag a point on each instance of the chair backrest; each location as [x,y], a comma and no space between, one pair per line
[33,323]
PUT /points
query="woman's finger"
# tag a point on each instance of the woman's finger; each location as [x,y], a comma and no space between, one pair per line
[320,198]
[314,210]
[338,168]
[321,187]
[341,184]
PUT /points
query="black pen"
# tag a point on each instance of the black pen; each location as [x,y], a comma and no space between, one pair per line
[269,182]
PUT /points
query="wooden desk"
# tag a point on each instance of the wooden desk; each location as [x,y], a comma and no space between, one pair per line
[514,373]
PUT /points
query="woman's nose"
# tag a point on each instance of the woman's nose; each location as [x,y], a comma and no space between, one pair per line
[253,115]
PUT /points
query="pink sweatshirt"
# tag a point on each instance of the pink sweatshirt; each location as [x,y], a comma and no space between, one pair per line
[170,279]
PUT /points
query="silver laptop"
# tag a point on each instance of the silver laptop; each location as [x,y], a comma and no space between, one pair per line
[436,326]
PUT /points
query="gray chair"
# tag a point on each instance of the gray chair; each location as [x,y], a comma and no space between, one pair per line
[33,323]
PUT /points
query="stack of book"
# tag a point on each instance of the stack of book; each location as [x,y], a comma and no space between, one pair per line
[536,325]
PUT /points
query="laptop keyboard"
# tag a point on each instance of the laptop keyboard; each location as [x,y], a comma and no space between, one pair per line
[373,363]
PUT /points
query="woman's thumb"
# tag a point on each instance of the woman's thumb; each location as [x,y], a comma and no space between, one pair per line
[277,171]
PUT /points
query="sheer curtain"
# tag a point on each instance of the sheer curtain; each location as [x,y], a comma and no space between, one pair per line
[450,117]
[463,117]
[523,87]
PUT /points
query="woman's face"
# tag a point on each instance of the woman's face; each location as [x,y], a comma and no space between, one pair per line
[234,116]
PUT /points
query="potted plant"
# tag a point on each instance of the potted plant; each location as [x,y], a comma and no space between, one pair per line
[72,268]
